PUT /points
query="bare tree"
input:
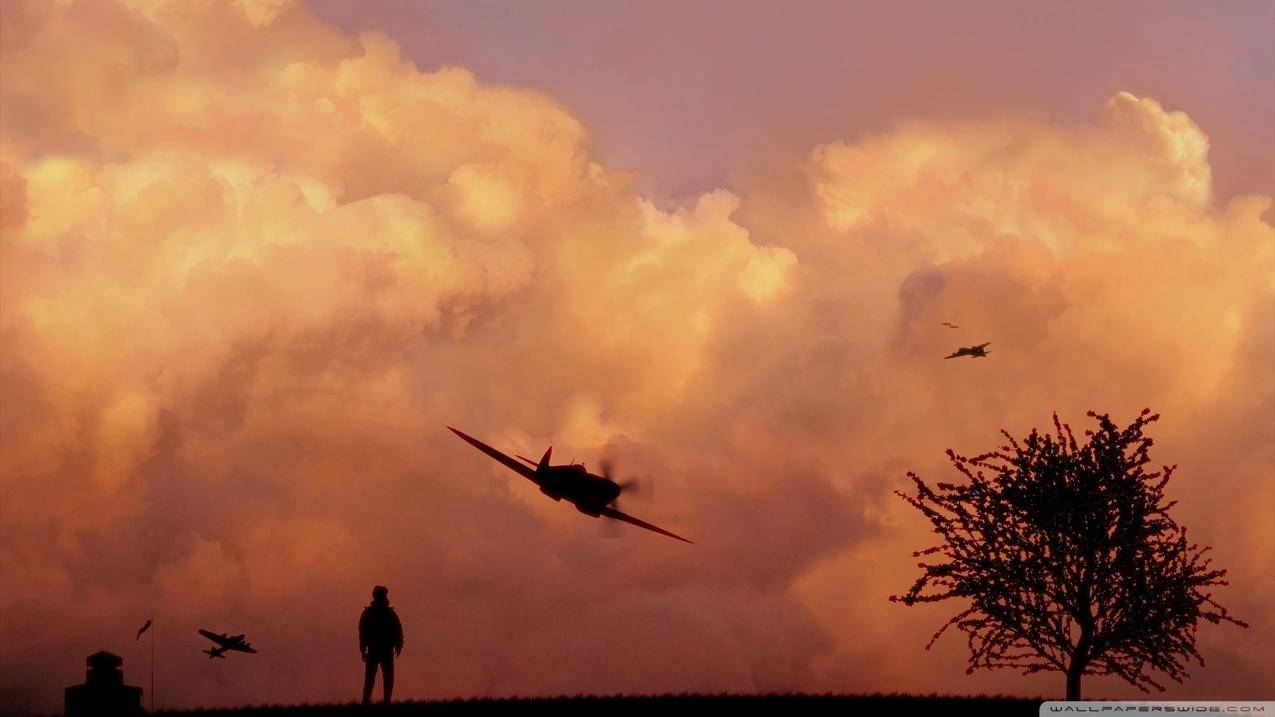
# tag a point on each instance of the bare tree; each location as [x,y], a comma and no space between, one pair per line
[1068,557]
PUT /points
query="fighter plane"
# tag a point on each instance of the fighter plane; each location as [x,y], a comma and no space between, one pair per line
[225,642]
[971,351]
[591,494]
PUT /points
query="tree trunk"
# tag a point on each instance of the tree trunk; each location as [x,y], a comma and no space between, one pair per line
[1080,655]
[1079,659]
[1073,680]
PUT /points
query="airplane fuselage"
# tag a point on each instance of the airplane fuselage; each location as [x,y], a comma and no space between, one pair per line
[979,351]
[589,493]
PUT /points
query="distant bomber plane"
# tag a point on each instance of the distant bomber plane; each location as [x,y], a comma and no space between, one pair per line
[972,351]
[950,325]
[224,643]
[592,495]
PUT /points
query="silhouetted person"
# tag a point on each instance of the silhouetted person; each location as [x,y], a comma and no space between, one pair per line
[380,641]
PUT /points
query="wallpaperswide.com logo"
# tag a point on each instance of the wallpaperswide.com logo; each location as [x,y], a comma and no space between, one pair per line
[1163,707]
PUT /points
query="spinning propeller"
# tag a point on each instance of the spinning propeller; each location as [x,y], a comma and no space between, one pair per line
[632,487]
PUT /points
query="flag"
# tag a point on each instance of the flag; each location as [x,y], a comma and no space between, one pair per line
[144,628]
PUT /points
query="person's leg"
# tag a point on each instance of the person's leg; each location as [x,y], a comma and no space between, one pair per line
[369,678]
[387,674]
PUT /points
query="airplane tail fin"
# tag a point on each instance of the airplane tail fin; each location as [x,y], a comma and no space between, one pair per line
[544,460]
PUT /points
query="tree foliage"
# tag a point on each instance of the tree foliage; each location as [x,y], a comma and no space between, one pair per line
[1068,557]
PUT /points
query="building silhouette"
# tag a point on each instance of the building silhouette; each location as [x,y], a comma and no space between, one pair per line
[103,691]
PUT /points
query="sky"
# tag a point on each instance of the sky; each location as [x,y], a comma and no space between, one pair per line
[256,255]
[690,94]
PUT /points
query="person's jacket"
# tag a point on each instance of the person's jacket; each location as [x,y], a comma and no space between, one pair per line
[380,629]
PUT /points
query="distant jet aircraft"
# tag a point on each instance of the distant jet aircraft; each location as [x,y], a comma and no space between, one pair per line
[592,495]
[224,643]
[971,351]
[950,326]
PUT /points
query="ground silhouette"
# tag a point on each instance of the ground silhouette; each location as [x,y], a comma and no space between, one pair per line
[831,704]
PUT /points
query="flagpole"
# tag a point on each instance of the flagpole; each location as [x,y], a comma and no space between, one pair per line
[153,628]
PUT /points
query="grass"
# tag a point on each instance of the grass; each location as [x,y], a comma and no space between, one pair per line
[593,705]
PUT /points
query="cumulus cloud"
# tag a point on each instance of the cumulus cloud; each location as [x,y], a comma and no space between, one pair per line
[252,266]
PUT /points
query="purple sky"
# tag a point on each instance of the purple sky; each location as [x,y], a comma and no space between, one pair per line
[681,91]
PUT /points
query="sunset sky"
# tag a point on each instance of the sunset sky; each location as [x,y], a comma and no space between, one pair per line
[256,255]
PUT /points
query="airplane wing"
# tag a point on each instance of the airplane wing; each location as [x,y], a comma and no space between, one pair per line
[613,513]
[954,355]
[983,345]
[214,637]
[524,471]
[244,648]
